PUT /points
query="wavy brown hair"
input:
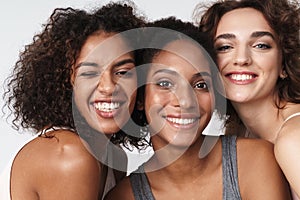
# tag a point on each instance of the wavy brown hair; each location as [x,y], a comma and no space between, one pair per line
[283,17]
[39,90]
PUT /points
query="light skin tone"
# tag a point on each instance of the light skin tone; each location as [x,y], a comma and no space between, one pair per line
[67,154]
[182,119]
[250,61]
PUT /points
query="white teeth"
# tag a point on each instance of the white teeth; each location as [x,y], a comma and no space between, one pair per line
[181,121]
[241,77]
[107,107]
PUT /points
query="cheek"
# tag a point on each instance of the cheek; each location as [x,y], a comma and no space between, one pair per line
[154,101]
[129,86]
[82,93]
[221,61]
[206,103]
[132,101]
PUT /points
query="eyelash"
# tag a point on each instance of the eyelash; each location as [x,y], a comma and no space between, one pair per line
[223,48]
[124,73]
[262,46]
[203,83]
[164,84]
[89,74]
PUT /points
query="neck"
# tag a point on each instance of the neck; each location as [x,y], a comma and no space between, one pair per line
[172,163]
[262,119]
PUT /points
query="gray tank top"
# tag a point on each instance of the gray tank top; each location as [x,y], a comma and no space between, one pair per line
[142,190]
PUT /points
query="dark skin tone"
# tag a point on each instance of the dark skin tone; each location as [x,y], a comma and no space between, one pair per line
[179,180]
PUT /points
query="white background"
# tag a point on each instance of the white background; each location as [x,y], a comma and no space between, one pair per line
[20,20]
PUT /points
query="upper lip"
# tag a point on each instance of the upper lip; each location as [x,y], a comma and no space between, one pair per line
[183,116]
[107,103]
[240,72]
[182,119]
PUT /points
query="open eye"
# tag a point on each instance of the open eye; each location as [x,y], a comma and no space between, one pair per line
[262,46]
[223,48]
[202,85]
[165,84]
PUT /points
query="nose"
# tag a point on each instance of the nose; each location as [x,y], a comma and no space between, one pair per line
[106,83]
[185,97]
[242,57]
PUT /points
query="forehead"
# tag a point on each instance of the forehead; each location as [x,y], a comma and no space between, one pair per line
[188,50]
[243,19]
[103,46]
[183,57]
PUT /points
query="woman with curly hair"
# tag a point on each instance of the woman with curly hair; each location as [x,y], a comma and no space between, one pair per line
[258,53]
[179,99]
[75,86]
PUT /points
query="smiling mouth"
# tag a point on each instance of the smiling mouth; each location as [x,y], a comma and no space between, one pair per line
[107,106]
[181,121]
[241,77]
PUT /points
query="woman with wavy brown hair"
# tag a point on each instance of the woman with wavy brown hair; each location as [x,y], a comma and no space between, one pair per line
[76,96]
[258,54]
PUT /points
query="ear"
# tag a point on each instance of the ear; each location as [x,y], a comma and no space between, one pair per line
[283,74]
[72,78]
[140,105]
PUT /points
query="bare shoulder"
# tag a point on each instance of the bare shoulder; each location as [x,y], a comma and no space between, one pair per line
[254,156]
[122,190]
[287,151]
[257,166]
[288,139]
[60,165]
[254,148]
[290,133]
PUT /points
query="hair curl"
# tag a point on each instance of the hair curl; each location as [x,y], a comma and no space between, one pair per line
[39,90]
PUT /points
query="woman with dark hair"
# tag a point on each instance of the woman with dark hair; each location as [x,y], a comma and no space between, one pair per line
[258,53]
[75,86]
[180,97]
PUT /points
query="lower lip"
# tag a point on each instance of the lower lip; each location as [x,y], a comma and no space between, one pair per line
[110,114]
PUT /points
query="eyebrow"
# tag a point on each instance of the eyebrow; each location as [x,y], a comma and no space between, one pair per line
[255,34]
[167,71]
[202,74]
[261,34]
[123,62]
[117,64]
[86,64]
[174,73]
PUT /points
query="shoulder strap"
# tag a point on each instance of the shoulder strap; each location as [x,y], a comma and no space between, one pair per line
[291,116]
[287,119]
[229,167]
[140,185]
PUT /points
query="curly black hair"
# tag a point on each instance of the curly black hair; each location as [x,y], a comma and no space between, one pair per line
[39,90]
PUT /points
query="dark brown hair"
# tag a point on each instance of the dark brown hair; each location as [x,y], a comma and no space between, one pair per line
[283,17]
[39,90]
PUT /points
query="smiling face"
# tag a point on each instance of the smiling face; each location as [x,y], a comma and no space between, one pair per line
[248,55]
[105,82]
[178,97]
